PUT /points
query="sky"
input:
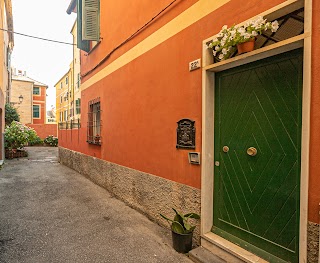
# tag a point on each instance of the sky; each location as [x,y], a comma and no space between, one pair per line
[43,61]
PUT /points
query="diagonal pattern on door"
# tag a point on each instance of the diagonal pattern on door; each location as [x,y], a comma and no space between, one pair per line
[256,194]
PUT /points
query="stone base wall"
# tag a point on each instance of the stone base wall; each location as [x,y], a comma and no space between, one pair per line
[152,195]
[313,242]
[149,194]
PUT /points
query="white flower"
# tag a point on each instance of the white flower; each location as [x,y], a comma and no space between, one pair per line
[227,38]
[241,30]
[274,26]
[233,32]
[247,35]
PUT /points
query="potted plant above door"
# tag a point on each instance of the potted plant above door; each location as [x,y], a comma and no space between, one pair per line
[241,38]
[182,230]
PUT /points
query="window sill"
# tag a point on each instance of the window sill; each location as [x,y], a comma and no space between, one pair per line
[94,143]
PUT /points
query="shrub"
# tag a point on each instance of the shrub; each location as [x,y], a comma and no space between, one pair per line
[11,114]
[51,140]
[35,141]
[17,135]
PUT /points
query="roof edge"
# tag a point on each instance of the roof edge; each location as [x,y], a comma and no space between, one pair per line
[71,6]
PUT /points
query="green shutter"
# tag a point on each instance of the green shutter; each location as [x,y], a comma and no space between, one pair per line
[91,20]
[78,105]
[81,44]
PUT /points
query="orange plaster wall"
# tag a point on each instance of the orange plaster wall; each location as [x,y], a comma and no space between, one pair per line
[44,130]
[142,101]
[314,179]
[41,100]
[123,18]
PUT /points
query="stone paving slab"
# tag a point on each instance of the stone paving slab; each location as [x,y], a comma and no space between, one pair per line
[50,213]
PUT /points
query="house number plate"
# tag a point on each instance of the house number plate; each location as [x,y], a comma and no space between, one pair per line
[194,64]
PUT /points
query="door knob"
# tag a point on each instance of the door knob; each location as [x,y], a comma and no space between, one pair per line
[225,149]
[252,151]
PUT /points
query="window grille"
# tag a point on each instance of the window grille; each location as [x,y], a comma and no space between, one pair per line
[94,122]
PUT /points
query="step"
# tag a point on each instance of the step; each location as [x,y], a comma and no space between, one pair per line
[202,255]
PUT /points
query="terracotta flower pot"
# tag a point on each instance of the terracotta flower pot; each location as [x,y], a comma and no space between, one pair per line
[246,46]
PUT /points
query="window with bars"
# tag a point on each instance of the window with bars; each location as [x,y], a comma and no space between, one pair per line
[94,122]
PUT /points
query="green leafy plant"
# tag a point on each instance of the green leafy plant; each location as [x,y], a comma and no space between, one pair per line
[11,114]
[51,140]
[35,141]
[17,135]
[180,223]
[223,45]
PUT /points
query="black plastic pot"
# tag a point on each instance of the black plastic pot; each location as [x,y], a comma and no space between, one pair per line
[182,243]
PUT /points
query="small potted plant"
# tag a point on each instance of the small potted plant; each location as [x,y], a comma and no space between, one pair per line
[182,230]
[226,41]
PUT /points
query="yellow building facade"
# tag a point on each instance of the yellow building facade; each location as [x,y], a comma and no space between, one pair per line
[68,89]
[76,75]
[6,46]
[64,96]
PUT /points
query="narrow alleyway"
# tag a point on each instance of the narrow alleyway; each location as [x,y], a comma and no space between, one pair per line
[50,213]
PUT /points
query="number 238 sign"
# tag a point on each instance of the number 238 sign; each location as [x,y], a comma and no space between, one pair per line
[194,64]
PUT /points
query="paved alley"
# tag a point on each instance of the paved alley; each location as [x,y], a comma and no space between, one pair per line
[50,213]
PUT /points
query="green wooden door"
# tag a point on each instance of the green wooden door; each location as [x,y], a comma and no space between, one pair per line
[256,196]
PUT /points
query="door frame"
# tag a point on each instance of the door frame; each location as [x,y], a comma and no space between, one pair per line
[210,240]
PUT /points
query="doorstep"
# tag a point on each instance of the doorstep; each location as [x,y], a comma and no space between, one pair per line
[202,255]
[227,251]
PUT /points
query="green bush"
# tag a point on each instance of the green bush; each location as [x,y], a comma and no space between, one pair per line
[51,140]
[17,135]
[35,141]
[11,114]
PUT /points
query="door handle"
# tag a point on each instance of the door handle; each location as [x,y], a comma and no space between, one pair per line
[252,151]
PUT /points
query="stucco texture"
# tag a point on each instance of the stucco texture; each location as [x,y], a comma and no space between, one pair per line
[313,243]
